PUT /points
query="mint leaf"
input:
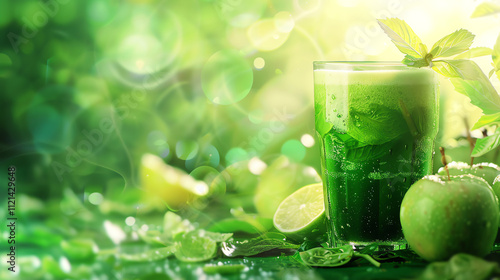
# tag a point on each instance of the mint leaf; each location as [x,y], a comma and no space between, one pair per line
[486,144]
[474,52]
[415,62]
[333,257]
[495,55]
[323,257]
[254,246]
[375,124]
[479,93]
[458,68]
[485,120]
[452,44]
[403,37]
[485,9]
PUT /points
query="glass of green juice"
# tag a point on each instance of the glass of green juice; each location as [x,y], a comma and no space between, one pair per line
[376,122]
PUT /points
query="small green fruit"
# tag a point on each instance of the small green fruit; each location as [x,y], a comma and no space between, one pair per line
[442,217]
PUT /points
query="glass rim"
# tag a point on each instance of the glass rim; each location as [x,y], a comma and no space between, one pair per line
[363,65]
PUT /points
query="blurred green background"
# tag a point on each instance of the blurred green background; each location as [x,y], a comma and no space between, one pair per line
[220,89]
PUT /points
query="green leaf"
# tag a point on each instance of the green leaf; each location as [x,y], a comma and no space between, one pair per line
[474,52]
[254,246]
[458,68]
[485,120]
[480,94]
[485,9]
[452,44]
[495,55]
[486,144]
[470,80]
[415,62]
[403,37]
[151,255]
[326,257]
[375,124]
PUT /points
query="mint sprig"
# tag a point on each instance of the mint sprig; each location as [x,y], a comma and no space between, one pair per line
[452,44]
[450,57]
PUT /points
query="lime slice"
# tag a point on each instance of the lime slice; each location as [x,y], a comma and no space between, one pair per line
[302,214]
[278,181]
[171,185]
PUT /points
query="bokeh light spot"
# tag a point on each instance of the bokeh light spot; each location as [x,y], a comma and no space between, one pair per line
[294,150]
[235,155]
[130,221]
[307,140]
[256,166]
[96,198]
[64,265]
[226,77]
[207,155]
[284,21]
[186,149]
[264,35]
[259,63]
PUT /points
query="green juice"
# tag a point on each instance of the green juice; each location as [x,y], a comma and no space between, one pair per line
[377,130]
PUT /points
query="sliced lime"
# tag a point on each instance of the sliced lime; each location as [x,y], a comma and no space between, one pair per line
[302,214]
[278,181]
[172,185]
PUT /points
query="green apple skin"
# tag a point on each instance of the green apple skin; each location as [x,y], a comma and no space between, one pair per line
[485,170]
[441,218]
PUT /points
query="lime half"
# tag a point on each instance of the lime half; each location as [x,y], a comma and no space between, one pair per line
[173,186]
[302,214]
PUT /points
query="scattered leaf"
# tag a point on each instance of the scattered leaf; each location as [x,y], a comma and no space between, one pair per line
[254,246]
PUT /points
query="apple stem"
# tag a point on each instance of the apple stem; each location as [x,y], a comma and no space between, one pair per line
[443,160]
[471,142]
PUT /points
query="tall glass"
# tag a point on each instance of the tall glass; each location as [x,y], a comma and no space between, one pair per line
[376,122]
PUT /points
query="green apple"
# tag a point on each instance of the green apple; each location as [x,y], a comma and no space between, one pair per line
[442,217]
[485,170]
[496,186]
